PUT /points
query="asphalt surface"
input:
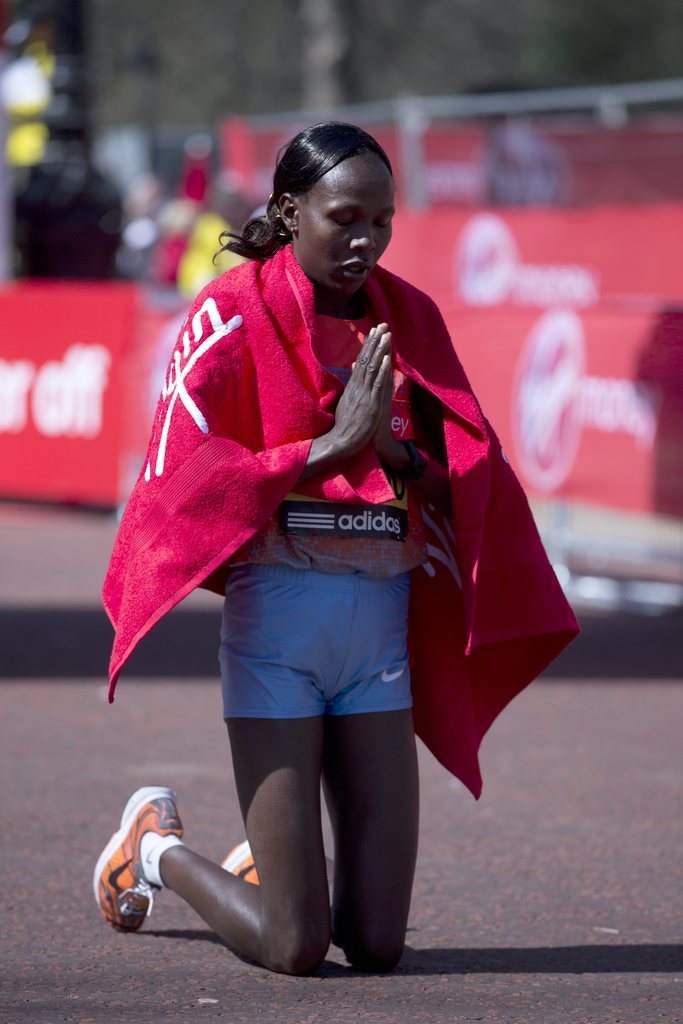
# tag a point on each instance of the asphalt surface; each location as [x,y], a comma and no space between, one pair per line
[555,899]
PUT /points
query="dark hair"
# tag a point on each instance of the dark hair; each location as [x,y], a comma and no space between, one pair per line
[302,162]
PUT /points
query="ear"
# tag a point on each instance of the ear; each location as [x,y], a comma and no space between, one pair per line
[289,211]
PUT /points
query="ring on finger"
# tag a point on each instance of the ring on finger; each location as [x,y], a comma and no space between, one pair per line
[371,368]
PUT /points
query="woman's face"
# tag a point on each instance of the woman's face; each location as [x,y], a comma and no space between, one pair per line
[340,229]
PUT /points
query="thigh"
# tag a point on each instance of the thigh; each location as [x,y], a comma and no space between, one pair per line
[277,766]
[371,788]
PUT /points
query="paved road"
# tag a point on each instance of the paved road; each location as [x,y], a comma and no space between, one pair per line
[556,899]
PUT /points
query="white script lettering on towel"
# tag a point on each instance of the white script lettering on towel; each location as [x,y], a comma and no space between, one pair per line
[182,362]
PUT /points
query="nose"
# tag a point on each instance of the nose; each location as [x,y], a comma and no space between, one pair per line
[364,242]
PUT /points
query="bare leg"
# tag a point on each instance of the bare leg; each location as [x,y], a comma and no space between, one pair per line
[371,787]
[284,922]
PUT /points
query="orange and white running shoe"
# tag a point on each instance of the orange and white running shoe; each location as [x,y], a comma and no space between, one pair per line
[123,894]
[240,862]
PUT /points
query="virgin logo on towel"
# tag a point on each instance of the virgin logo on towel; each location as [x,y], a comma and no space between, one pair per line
[553,400]
[184,358]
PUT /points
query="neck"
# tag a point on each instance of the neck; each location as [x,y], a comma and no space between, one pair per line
[348,308]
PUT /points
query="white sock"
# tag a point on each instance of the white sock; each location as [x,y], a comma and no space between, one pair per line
[152,845]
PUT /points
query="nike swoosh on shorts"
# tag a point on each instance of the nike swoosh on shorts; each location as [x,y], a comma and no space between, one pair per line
[388,676]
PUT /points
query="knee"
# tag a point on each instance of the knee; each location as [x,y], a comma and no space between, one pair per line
[299,952]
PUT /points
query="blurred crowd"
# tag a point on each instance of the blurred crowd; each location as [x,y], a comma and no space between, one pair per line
[172,241]
[69,218]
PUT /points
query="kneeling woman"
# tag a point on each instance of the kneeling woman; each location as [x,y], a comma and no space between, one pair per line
[319,458]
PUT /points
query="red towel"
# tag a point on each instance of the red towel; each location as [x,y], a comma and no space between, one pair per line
[243,388]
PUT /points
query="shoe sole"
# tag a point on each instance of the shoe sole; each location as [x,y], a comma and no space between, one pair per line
[137,801]
[236,857]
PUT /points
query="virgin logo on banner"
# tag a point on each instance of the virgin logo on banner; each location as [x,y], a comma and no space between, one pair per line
[540,258]
[584,402]
[553,399]
[559,319]
[489,271]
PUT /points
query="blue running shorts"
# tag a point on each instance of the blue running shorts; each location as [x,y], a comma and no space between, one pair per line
[297,643]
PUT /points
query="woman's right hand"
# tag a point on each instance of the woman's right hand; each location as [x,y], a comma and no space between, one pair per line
[360,406]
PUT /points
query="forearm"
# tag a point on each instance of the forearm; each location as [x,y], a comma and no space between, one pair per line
[434,485]
[324,451]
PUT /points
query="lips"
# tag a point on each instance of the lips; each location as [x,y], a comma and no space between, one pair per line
[356,268]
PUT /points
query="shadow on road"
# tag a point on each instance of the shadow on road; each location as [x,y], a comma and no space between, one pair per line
[73,643]
[611,959]
[593,959]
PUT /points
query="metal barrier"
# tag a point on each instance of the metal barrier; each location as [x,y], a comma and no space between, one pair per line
[611,560]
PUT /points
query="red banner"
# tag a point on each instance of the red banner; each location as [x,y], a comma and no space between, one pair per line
[561,322]
[629,255]
[519,163]
[588,405]
[61,389]
[506,163]
[569,324]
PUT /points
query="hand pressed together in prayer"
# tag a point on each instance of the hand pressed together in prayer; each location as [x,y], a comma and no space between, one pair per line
[364,409]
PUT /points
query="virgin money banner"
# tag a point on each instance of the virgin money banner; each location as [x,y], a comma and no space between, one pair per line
[63,389]
[587,404]
[628,255]
[568,325]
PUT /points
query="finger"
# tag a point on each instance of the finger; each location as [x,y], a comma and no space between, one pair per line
[382,377]
[375,332]
[367,349]
[364,354]
[368,363]
[375,360]
[372,339]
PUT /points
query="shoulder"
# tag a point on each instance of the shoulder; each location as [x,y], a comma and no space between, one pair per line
[235,283]
[222,304]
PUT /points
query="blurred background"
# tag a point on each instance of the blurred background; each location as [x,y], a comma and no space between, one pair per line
[538,151]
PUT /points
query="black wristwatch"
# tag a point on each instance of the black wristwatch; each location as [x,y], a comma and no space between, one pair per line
[415,469]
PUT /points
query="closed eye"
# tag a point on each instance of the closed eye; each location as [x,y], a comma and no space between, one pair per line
[346,220]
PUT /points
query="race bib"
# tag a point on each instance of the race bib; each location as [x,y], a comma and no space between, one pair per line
[308,517]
